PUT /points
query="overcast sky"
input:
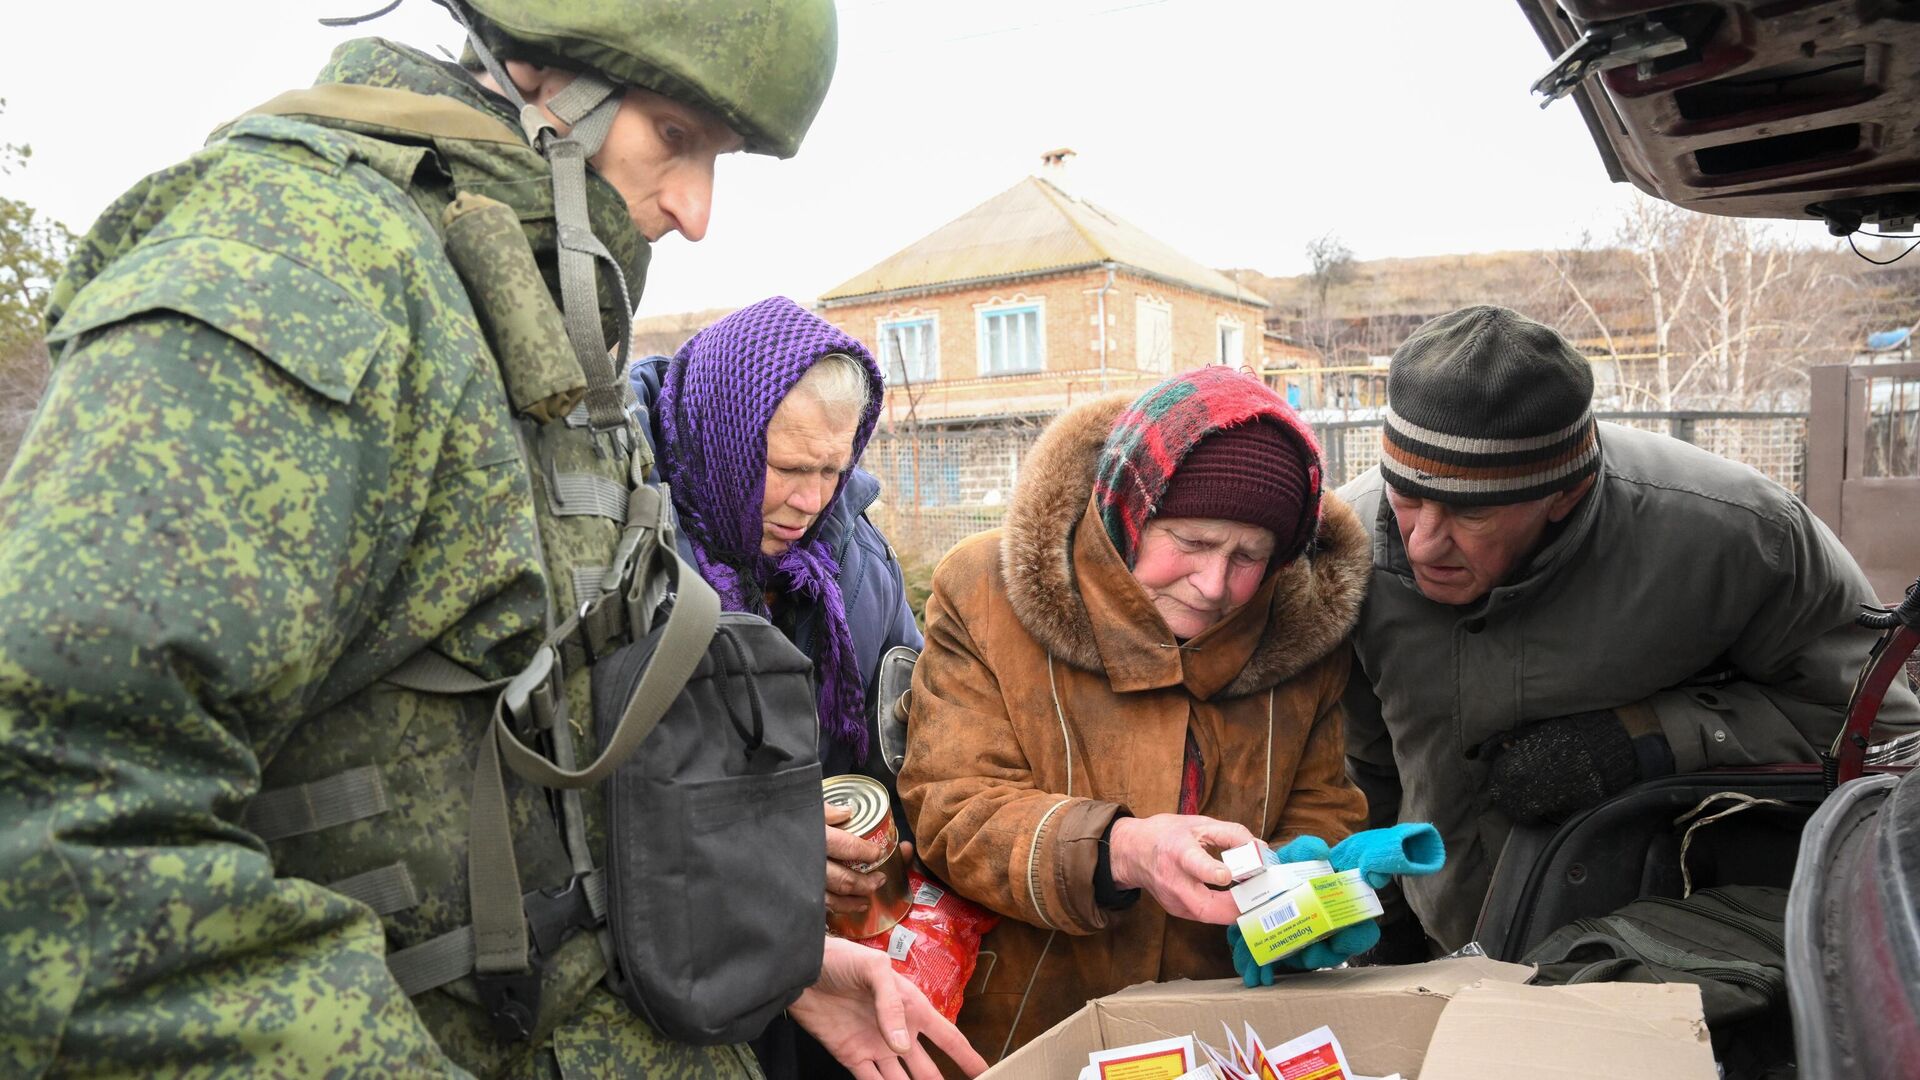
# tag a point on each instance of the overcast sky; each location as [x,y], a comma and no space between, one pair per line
[1235,130]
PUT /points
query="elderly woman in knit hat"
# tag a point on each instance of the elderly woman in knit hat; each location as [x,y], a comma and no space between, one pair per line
[757,424]
[1141,668]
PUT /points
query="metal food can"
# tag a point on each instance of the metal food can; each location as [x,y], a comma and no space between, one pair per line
[872,821]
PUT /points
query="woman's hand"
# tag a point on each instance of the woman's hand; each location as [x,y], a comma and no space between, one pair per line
[1171,856]
[849,891]
[871,1018]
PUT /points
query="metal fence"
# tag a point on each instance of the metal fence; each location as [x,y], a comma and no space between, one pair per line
[1774,444]
[940,485]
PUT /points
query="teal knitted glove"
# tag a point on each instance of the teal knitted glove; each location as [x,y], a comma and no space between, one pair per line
[1300,849]
[1410,848]
[1334,949]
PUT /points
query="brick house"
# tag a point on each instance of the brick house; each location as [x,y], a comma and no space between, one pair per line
[1036,299]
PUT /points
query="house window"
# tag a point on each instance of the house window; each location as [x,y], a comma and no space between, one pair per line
[1012,339]
[1233,344]
[909,350]
[1153,345]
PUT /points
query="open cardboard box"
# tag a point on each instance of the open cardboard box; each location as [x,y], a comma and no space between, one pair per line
[1468,1018]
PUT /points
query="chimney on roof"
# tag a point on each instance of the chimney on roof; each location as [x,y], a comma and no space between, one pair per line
[1053,165]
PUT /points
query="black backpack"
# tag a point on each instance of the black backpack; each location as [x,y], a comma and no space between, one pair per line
[716,858]
[715,865]
[1727,940]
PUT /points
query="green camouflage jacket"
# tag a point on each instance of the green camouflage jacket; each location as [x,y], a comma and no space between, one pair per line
[276,459]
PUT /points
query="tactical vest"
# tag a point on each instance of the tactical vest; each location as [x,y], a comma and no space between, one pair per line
[488,888]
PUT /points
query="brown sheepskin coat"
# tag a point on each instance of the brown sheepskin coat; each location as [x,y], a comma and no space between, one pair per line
[1050,699]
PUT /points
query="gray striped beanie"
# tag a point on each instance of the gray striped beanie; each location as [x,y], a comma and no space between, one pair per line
[1487,407]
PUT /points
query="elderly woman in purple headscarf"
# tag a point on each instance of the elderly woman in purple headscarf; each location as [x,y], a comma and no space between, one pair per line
[757,424]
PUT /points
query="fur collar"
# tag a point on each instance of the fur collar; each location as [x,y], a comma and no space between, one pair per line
[1314,607]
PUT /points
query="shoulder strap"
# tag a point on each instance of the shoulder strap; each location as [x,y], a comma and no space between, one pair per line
[430,672]
[646,556]
[392,111]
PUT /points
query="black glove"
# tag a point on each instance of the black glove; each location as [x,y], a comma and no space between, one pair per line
[1552,768]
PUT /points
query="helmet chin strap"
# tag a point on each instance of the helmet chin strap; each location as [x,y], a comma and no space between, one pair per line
[587,106]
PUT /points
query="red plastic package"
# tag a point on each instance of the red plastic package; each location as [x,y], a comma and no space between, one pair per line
[938,943]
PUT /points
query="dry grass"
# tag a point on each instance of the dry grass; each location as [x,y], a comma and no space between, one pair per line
[1437,283]
[1422,285]
[1387,298]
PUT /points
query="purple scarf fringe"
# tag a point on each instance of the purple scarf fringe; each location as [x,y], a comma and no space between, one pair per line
[719,395]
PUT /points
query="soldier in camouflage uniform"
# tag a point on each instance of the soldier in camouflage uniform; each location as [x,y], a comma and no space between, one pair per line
[278,462]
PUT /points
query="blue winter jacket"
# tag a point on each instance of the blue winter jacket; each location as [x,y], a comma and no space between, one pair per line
[871,585]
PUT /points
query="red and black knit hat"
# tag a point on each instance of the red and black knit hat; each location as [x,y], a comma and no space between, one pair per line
[1487,407]
[1212,443]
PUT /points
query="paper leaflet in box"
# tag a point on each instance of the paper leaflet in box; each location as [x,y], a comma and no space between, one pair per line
[1317,1055]
[1385,1018]
[1256,1054]
[1162,1059]
[1223,1062]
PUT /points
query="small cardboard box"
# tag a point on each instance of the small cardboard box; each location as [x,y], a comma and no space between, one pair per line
[1245,861]
[1461,1019]
[1290,921]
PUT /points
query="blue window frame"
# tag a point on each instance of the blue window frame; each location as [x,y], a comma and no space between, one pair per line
[909,351]
[1012,339]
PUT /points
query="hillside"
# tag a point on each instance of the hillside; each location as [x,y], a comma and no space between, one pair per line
[1412,286]
[664,334]
[1385,298]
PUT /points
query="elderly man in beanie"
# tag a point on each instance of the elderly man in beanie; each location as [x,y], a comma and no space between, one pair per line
[1142,667]
[1561,608]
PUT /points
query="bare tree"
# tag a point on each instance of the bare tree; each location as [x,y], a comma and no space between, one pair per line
[1703,312]
[1329,263]
[1571,268]
[1668,244]
[23,378]
[32,249]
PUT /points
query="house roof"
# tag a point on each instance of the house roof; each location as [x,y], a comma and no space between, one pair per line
[1031,228]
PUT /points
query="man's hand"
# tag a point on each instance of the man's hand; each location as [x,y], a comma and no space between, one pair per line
[1548,770]
[871,1018]
[1168,855]
[850,891]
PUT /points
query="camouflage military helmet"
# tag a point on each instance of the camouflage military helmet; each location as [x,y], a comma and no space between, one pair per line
[761,65]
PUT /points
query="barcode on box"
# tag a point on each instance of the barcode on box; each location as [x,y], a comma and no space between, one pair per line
[900,943]
[1284,913]
[928,895]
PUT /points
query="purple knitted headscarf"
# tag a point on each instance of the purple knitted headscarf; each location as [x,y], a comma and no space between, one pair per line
[720,393]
